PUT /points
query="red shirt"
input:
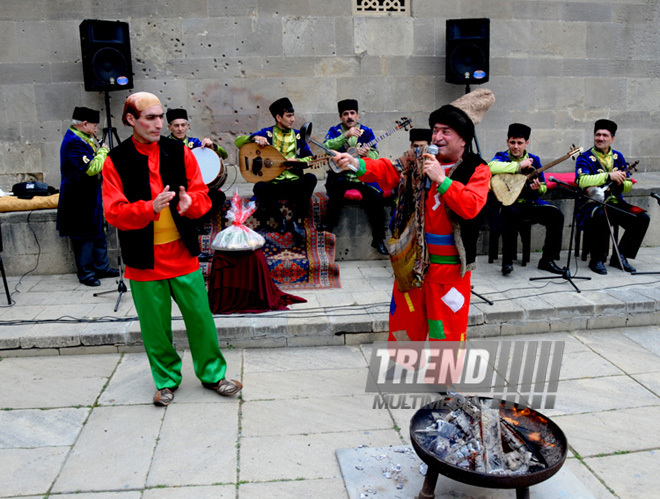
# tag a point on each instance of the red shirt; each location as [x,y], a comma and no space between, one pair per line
[170,259]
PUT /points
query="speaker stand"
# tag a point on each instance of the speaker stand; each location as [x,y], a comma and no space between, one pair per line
[110,133]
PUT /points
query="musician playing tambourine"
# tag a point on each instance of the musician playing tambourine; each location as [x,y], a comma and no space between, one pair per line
[292,184]
[605,168]
[528,206]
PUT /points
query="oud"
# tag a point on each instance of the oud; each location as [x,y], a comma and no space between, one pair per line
[263,164]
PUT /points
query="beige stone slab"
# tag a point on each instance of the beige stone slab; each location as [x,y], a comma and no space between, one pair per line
[323,488]
[301,359]
[121,439]
[587,478]
[196,446]
[82,366]
[294,457]
[40,428]
[131,383]
[294,384]
[312,415]
[650,381]
[576,365]
[102,495]
[629,475]
[193,492]
[608,432]
[600,394]
[29,471]
[626,354]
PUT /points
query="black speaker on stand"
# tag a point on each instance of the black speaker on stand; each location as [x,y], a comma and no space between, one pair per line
[106,57]
[467,57]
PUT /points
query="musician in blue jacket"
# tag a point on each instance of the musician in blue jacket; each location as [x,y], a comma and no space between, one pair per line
[292,184]
[179,124]
[352,135]
[606,168]
[529,205]
[80,207]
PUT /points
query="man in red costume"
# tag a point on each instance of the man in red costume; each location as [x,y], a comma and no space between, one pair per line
[443,196]
[152,192]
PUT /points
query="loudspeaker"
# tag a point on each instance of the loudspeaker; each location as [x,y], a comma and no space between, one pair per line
[106,55]
[468,45]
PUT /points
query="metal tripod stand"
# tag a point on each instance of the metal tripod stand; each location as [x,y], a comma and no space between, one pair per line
[110,134]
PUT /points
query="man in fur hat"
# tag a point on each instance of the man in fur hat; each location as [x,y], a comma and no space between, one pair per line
[80,208]
[352,134]
[441,198]
[603,166]
[292,184]
[178,124]
[529,206]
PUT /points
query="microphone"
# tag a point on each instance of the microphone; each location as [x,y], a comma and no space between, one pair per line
[655,196]
[433,150]
[553,179]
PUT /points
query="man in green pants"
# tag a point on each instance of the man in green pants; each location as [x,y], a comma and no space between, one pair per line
[152,191]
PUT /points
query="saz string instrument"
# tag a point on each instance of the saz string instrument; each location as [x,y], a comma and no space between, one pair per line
[508,186]
[600,193]
[263,164]
[403,123]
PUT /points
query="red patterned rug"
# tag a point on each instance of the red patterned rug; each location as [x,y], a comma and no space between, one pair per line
[293,265]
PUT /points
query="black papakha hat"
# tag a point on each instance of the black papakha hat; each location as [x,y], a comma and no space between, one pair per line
[176,114]
[86,114]
[347,105]
[608,125]
[281,106]
[519,130]
[454,118]
[416,134]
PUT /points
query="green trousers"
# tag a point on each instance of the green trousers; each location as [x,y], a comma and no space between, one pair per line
[153,302]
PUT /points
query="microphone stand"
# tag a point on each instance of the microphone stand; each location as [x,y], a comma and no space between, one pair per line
[566,271]
[110,133]
[657,198]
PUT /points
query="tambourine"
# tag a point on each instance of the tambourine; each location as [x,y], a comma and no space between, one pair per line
[211,166]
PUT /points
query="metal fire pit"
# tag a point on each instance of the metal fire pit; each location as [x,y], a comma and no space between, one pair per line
[529,421]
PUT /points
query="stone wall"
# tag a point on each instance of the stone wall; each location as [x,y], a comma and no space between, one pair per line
[556,65]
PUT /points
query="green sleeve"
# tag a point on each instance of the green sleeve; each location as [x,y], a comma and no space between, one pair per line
[373,154]
[336,143]
[442,188]
[627,185]
[362,168]
[584,181]
[221,151]
[241,140]
[502,167]
[543,189]
[96,165]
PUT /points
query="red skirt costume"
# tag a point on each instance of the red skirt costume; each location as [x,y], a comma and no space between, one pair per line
[438,310]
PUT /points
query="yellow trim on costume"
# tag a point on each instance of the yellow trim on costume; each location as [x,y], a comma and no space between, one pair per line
[411,308]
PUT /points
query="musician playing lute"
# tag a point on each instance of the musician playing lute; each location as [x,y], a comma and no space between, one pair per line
[601,165]
[529,205]
[292,184]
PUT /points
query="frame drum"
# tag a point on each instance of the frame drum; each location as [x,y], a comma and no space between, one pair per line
[211,166]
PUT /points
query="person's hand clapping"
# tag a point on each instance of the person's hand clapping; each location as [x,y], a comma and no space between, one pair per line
[184,200]
[163,199]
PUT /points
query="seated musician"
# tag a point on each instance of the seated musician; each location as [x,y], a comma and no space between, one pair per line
[528,206]
[178,125]
[602,166]
[342,137]
[292,184]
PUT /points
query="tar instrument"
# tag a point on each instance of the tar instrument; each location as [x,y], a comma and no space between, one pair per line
[403,123]
[263,164]
[508,186]
[599,193]
[211,166]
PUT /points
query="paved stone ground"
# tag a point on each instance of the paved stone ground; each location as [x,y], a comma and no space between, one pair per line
[83,425]
[56,314]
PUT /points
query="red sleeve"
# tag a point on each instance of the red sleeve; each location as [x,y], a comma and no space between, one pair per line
[118,211]
[468,200]
[380,171]
[197,189]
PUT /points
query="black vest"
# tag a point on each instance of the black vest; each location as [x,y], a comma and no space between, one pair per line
[137,246]
[469,228]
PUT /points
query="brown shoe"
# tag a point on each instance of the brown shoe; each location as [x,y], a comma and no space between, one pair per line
[164,396]
[224,387]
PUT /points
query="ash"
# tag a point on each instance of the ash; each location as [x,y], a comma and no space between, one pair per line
[472,434]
